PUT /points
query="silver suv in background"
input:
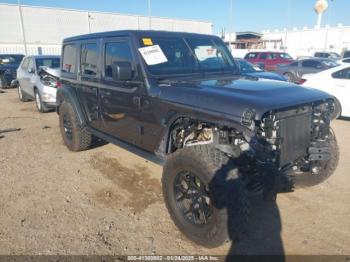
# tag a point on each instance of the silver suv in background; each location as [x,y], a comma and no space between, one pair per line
[37,78]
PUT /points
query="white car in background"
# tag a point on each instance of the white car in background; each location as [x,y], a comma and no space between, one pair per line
[335,81]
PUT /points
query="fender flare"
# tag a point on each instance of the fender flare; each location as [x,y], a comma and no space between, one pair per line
[67,94]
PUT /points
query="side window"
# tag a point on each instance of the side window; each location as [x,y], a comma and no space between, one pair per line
[251,56]
[311,64]
[88,59]
[69,59]
[25,63]
[343,74]
[263,55]
[116,52]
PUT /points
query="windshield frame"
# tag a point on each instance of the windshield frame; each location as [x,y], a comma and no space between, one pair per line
[195,74]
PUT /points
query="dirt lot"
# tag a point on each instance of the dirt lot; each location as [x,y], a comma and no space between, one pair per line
[109,201]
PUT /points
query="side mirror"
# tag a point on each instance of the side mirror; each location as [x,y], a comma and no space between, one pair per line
[122,71]
[31,70]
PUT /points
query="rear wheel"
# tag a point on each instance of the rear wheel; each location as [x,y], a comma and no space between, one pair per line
[204,195]
[39,103]
[2,82]
[21,95]
[75,137]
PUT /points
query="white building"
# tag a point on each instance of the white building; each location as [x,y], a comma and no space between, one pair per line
[301,42]
[33,30]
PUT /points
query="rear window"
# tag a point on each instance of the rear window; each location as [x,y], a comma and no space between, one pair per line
[346,54]
[52,62]
[69,59]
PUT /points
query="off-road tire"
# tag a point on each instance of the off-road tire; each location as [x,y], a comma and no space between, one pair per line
[21,95]
[40,105]
[308,179]
[80,139]
[228,195]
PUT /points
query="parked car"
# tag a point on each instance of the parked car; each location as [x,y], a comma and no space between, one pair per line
[329,55]
[335,81]
[178,98]
[8,66]
[37,78]
[345,54]
[294,72]
[345,61]
[269,59]
[248,69]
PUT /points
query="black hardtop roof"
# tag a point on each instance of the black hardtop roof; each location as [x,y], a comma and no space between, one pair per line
[137,33]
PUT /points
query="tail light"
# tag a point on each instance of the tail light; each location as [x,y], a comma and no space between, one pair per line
[302,81]
[58,84]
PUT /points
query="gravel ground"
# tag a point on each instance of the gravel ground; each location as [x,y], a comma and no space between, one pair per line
[108,201]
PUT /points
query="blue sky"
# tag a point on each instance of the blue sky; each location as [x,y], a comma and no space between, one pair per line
[252,15]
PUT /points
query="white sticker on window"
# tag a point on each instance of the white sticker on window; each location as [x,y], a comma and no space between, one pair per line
[153,55]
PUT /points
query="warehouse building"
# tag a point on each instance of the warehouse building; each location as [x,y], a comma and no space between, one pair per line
[40,30]
[297,42]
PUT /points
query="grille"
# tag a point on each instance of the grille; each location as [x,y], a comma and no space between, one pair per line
[295,134]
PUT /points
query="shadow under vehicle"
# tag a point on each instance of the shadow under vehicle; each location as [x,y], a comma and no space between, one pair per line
[179,98]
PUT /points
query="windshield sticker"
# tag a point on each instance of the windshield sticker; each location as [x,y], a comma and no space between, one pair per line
[153,55]
[147,41]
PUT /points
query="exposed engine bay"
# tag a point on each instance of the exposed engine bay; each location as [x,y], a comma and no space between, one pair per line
[49,76]
[285,142]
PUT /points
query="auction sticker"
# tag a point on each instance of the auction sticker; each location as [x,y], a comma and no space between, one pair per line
[153,55]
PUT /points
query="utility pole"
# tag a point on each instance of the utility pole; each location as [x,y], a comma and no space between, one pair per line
[22,28]
[149,15]
[231,25]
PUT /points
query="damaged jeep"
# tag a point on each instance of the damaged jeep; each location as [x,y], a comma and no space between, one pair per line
[177,98]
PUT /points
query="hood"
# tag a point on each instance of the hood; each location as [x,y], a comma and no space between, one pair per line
[51,71]
[233,97]
[266,75]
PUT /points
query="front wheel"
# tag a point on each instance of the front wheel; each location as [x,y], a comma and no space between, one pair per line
[204,195]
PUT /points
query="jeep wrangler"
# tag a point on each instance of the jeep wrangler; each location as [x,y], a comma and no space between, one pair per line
[177,98]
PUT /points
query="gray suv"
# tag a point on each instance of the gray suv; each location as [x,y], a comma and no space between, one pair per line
[37,78]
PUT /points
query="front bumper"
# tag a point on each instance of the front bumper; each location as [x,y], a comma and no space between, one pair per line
[51,105]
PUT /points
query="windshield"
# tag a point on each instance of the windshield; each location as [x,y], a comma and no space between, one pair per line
[11,59]
[189,55]
[247,67]
[52,62]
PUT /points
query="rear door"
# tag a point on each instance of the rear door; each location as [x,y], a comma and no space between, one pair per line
[22,72]
[89,79]
[310,67]
[341,89]
[120,100]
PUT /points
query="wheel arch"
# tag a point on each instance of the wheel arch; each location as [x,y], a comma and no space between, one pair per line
[172,118]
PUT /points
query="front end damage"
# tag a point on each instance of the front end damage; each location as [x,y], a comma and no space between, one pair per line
[282,146]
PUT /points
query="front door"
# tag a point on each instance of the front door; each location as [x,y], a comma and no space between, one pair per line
[120,101]
[341,89]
